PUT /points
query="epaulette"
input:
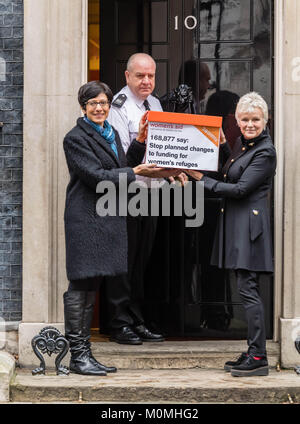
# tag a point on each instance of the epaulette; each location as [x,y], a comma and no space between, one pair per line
[120,100]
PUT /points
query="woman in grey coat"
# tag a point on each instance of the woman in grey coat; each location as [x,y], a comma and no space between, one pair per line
[243,237]
[96,246]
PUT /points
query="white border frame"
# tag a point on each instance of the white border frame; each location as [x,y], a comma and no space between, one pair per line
[279,177]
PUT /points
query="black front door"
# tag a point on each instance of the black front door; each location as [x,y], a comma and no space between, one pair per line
[222,49]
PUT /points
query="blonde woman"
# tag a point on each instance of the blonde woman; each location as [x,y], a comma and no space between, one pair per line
[243,238]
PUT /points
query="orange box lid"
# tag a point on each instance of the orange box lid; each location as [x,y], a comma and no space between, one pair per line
[184,118]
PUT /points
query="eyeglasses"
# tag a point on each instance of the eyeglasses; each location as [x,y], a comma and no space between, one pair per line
[94,104]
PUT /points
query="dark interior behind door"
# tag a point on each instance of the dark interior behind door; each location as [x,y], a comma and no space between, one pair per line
[222,49]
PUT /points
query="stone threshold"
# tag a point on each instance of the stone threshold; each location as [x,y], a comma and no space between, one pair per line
[176,354]
[7,370]
[157,386]
[172,371]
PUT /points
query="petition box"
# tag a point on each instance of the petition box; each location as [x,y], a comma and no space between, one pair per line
[180,140]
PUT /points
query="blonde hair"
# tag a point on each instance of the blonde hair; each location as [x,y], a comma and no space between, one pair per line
[249,102]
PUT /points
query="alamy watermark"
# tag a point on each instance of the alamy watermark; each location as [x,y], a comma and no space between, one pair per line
[2,69]
[136,199]
[296,330]
[296,69]
[2,333]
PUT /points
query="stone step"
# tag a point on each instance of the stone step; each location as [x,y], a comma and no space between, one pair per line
[176,354]
[157,386]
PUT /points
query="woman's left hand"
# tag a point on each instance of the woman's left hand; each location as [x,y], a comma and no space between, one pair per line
[222,137]
[197,175]
[182,179]
[143,129]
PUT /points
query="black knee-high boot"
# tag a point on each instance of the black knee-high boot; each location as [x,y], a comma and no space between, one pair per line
[87,321]
[75,315]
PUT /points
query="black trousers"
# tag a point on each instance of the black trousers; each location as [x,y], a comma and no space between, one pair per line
[117,297]
[141,234]
[248,287]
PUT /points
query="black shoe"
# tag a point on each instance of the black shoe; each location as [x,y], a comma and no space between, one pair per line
[229,364]
[251,367]
[101,366]
[95,362]
[86,330]
[146,335]
[76,319]
[125,335]
[81,363]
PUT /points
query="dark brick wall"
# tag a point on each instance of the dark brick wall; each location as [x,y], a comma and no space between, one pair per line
[11,141]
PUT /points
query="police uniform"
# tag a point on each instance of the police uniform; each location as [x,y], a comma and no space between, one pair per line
[125,115]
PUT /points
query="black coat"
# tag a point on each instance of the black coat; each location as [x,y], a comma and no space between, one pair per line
[243,238]
[95,245]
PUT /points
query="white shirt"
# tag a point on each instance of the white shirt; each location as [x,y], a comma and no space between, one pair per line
[126,120]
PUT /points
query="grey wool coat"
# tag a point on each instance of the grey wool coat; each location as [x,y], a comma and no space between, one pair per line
[243,238]
[95,245]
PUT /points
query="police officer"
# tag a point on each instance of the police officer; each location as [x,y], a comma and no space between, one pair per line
[128,106]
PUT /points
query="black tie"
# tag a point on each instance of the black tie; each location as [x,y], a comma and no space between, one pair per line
[146,104]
